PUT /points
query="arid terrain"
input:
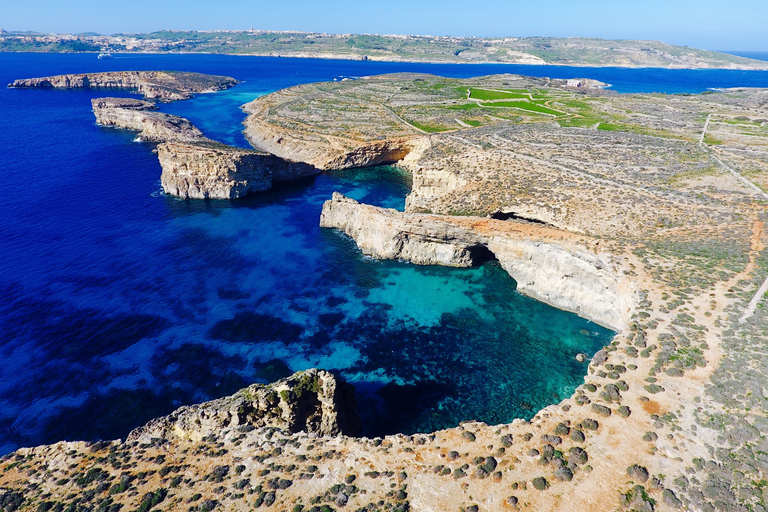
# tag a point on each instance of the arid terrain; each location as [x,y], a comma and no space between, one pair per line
[658,198]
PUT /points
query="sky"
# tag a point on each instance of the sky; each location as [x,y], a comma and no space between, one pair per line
[706,24]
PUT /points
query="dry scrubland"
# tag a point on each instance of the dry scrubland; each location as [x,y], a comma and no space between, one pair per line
[671,415]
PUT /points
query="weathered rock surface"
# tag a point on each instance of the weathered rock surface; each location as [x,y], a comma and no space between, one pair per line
[159,85]
[209,170]
[554,271]
[195,167]
[140,116]
[312,401]
[321,154]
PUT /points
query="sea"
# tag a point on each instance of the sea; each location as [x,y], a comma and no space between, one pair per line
[119,304]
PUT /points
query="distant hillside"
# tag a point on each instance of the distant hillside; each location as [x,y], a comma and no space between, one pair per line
[576,51]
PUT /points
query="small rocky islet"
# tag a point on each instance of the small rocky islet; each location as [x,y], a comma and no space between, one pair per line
[644,213]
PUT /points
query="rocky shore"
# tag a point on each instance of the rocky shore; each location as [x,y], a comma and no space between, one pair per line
[156,85]
[653,225]
[139,115]
[205,169]
[194,167]
[547,264]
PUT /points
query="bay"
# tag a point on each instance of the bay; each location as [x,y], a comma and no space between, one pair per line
[119,303]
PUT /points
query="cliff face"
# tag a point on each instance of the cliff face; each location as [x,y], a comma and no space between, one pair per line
[557,272]
[195,167]
[160,85]
[208,170]
[312,401]
[326,153]
[139,116]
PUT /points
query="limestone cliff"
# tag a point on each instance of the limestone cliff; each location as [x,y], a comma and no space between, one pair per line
[159,85]
[312,401]
[326,153]
[544,263]
[287,125]
[209,170]
[140,116]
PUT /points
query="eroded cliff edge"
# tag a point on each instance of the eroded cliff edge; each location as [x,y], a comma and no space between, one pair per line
[195,167]
[204,169]
[140,116]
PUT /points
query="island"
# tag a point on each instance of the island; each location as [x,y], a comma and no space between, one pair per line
[158,85]
[563,51]
[644,213]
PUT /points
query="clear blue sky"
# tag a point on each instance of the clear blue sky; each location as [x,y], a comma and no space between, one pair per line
[708,24]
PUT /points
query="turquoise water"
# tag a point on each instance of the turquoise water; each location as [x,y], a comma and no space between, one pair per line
[120,303]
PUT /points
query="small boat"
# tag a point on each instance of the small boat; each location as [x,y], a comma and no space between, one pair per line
[105,55]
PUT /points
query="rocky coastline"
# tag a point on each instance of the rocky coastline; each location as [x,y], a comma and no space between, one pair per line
[163,86]
[547,264]
[194,167]
[204,169]
[653,226]
[140,116]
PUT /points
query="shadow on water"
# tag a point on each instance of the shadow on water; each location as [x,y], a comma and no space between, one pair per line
[393,408]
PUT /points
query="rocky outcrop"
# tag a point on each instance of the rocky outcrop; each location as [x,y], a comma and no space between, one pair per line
[389,234]
[554,271]
[312,401]
[208,170]
[195,167]
[160,85]
[139,115]
[321,152]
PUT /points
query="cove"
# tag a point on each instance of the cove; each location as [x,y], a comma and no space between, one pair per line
[120,304]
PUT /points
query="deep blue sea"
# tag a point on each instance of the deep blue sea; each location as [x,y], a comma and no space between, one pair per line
[119,304]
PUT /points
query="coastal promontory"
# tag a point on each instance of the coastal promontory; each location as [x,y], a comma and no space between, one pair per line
[140,116]
[205,169]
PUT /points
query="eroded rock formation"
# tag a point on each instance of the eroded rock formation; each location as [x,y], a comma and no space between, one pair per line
[140,116]
[208,170]
[159,85]
[312,401]
[545,264]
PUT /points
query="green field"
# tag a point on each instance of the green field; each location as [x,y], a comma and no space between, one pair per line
[484,94]
[524,105]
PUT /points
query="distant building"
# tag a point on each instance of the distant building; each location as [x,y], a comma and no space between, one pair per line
[573,83]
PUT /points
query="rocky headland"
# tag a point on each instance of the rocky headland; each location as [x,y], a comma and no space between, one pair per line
[205,169]
[155,85]
[195,167]
[645,213]
[140,116]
